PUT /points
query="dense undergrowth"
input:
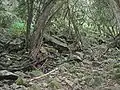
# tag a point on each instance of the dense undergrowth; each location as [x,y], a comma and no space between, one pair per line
[79,51]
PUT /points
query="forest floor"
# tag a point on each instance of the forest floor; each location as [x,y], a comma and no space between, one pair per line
[90,69]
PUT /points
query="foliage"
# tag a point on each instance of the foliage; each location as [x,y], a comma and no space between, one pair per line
[6,18]
[9,18]
[17,28]
[74,34]
[6,12]
[21,10]
[93,18]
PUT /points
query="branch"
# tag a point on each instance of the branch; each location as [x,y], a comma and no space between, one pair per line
[44,75]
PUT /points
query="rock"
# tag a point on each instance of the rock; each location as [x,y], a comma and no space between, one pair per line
[4,74]
[96,63]
[16,45]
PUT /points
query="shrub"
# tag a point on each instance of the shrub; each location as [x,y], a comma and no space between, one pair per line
[17,28]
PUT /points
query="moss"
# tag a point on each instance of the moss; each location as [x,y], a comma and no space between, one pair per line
[21,81]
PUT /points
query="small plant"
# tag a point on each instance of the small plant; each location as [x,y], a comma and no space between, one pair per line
[17,28]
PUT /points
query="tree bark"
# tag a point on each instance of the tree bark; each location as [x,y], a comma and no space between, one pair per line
[30,4]
[40,27]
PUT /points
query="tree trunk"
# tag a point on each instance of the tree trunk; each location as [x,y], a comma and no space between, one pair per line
[40,27]
[30,4]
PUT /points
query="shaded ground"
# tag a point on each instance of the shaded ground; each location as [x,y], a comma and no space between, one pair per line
[58,68]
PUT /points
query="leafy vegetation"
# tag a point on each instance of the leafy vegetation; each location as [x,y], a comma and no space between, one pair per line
[17,28]
[61,44]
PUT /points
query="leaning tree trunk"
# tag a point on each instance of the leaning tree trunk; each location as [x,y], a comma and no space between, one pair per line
[40,27]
